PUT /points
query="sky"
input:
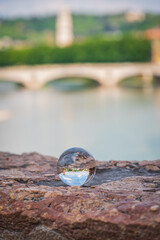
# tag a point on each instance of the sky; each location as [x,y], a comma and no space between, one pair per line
[14,8]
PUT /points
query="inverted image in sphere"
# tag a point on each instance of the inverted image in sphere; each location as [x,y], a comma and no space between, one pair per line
[76,167]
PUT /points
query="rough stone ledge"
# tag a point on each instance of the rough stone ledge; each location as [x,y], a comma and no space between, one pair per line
[121,203]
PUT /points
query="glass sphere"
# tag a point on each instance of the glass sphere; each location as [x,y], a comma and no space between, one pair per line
[76,167]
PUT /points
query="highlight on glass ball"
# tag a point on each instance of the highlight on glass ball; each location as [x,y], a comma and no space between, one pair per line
[76,167]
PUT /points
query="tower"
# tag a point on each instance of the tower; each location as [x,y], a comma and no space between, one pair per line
[154,35]
[64,29]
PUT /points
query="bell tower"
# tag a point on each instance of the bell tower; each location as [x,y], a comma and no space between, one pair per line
[64,29]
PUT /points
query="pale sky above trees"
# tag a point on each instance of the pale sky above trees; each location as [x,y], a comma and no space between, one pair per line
[42,7]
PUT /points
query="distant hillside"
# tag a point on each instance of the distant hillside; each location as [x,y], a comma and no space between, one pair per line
[26,28]
[41,28]
[94,25]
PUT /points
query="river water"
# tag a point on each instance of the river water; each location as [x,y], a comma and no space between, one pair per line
[115,123]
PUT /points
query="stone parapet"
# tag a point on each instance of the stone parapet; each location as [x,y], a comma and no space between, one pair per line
[122,202]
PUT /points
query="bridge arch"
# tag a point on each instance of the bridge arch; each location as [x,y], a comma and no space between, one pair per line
[5,82]
[72,75]
[72,83]
[136,80]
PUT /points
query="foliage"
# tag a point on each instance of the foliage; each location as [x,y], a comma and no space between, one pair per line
[125,49]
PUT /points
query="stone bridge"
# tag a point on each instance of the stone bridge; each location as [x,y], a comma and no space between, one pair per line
[34,77]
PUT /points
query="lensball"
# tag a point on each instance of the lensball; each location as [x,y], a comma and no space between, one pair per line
[76,167]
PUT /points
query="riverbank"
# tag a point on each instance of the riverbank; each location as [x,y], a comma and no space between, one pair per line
[122,202]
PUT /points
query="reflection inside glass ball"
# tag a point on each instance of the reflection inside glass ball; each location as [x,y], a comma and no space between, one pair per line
[76,167]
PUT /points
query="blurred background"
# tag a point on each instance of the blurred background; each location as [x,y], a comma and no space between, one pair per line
[80,73]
